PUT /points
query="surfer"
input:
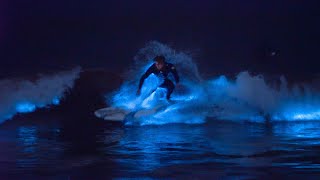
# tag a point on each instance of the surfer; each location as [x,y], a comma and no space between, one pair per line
[161,68]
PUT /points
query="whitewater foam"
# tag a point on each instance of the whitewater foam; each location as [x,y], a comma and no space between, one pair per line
[247,98]
[24,96]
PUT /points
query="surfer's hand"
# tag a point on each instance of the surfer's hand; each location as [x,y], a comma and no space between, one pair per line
[138,92]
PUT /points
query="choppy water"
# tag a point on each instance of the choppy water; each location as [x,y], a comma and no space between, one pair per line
[216,149]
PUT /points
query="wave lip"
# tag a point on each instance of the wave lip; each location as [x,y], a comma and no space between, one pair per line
[25,96]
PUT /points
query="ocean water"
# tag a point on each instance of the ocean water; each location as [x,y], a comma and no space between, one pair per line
[245,127]
[216,149]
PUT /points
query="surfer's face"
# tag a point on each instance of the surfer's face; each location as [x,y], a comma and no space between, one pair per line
[159,65]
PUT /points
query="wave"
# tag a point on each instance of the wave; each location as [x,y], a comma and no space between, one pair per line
[24,96]
[244,98]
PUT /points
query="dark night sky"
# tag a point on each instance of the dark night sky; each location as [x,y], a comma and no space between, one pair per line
[225,36]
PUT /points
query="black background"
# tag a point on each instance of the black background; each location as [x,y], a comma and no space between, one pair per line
[223,36]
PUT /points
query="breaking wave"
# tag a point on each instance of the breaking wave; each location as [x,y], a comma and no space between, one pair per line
[24,96]
[246,97]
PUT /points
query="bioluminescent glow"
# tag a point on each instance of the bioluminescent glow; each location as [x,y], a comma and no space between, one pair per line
[56,101]
[246,98]
[299,111]
[28,140]
[27,136]
[24,96]
[25,107]
[307,116]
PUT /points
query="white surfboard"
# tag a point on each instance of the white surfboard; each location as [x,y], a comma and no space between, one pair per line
[118,114]
[111,114]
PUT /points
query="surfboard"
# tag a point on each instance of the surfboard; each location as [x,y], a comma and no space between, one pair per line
[118,114]
[111,114]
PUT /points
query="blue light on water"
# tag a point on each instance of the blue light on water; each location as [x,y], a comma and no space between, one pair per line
[28,141]
[25,96]
[28,107]
[56,101]
[234,102]
[27,136]
[301,129]
[245,98]
[303,110]
[307,116]
[222,81]
[25,107]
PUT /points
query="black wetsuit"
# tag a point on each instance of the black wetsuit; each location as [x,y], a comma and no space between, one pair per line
[164,72]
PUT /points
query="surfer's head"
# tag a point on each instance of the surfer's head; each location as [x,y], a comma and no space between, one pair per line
[159,61]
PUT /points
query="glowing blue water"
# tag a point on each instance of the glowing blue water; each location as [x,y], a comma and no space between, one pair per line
[56,101]
[50,151]
[24,96]
[25,107]
[247,98]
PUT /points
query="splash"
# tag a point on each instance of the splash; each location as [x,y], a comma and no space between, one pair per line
[244,98]
[24,96]
[252,98]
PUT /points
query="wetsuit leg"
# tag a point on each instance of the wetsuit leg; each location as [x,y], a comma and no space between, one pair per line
[169,86]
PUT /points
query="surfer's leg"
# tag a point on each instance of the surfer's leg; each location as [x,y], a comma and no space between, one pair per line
[170,89]
[169,86]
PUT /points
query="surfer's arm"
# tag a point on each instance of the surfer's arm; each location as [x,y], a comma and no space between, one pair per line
[145,75]
[175,74]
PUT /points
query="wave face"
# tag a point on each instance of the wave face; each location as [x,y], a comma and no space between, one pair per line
[25,96]
[245,98]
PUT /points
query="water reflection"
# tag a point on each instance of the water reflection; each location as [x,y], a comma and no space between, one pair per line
[301,129]
[149,147]
[27,136]
[106,148]
[245,144]
[28,141]
[38,147]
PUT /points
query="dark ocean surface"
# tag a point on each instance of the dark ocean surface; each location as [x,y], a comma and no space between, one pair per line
[50,148]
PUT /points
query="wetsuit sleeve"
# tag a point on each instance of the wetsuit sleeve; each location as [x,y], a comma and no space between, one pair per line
[145,75]
[175,73]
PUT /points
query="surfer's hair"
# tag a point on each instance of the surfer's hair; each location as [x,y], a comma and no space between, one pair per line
[160,59]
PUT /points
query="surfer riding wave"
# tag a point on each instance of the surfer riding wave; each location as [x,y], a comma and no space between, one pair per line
[161,68]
